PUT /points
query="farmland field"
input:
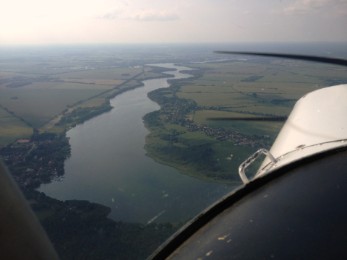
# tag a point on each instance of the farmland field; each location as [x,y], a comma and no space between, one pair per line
[39,106]
[12,128]
[37,91]
[259,86]
[231,107]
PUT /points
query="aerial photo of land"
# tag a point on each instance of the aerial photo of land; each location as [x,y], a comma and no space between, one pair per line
[207,124]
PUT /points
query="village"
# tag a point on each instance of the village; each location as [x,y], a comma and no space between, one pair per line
[37,160]
[222,134]
[175,110]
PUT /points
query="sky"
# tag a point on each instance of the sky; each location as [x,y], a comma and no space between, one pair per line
[171,21]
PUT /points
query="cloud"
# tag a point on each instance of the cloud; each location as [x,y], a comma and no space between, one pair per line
[147,15]
[153,15]
[305,6]
[111,15]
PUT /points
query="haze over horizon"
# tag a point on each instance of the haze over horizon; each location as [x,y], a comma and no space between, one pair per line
[162,21]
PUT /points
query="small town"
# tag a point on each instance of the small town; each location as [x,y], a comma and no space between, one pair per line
[37,160]
[174,110]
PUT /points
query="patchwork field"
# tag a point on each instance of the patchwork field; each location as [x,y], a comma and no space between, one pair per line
[12,128]
[255,87]
[231,109]
[38,106]
[36,91]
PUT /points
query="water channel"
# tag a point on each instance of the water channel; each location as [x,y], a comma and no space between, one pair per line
[108,165]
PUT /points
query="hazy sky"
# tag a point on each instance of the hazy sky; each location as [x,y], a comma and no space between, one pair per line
[162,21]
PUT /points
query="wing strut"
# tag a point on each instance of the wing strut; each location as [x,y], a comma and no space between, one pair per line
[334,61]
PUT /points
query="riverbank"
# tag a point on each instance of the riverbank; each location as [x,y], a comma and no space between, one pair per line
[73,224]
[144,199]
[85,110]
[165,144]
[195,150]
[82,230]
[42,156]
[102,165]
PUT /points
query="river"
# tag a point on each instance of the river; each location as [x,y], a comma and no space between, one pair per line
[108,165]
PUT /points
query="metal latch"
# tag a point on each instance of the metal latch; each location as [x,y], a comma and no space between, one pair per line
[243,166]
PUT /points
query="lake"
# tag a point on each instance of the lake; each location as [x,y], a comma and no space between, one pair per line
[109,165]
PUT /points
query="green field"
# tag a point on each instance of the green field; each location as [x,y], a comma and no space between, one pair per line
[269,88]
[38,92]
[41,92]
[110,77]
[38,106]
[239,91]
[195,154]
[12,128]
[248,127]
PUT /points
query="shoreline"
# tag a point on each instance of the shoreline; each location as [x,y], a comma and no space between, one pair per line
[184,168]
[73,118]
[63,217]
[54,141]
[189,171]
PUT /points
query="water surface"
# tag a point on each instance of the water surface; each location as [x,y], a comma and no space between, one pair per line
[108,165]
